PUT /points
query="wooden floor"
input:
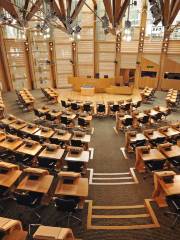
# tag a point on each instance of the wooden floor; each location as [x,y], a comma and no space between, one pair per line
[68,93]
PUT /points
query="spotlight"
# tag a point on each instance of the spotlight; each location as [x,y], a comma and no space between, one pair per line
[155,11]
[77,29]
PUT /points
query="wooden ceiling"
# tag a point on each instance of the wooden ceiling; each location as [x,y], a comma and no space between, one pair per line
[115,10]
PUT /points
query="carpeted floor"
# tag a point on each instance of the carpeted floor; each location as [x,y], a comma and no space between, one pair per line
[108,158]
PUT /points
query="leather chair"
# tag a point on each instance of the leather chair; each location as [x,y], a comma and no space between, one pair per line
[101,110]
[28,199]
[67,205]
[154,165]
[173,202]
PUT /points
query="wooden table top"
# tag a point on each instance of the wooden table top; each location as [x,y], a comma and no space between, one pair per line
[81,157]
[65,137]
[30,150]
[42,110]
[56,154]
[171,132]
[8,121]
[125,116]
[173,152]
[153,112]
[155,135]
[138,137]
[140,115]
[41,185]
[17,235]
[87,118]
[7,223]
[78,188]
[47,134]
[54,233]
[69,116]
[11,145]
[9,178]
[154,154]
[170,188]
[30,130]
[17,125]
[85,139]
[2,136]
[55,114]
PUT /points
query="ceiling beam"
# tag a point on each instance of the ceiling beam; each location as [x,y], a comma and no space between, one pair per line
[117,10]
[68,6]
[25,8]
[35,7]
[174,12]
[77,9]
[57,9]
[123,10]
[108,8]
[166,12]
[62,8]
[95,4]
[10,8]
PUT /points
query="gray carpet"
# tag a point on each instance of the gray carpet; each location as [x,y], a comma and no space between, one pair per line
[107,159]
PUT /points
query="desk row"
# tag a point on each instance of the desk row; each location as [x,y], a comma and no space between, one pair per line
[154,137]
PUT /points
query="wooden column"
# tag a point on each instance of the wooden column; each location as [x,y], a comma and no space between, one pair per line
[96,67]
[29,55]
[163,56]
[141,43]
[74,58]
[52,57]
[4,61]
[118,59]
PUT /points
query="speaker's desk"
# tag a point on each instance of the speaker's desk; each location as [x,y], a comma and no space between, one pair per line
[100,84]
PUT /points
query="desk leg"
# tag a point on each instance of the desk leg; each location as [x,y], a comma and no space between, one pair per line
[158,194]
[81,203]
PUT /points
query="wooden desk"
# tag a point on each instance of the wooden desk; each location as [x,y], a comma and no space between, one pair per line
[30,150]
[171,132]
[152,155]
[8,120]
[53,233]
[100,84]
[2,136]
[12,228]
[87,91]
[81,157]
[41,185]
[155,134]
[44,134]
[162,189]
[11,145]
[30,130]
[173,152]
[18,125]
[79,188]
[55,114]
[71,116]
[55,154]
[138,137]
[9,178]
[43,110]
[85,140]
[65,138]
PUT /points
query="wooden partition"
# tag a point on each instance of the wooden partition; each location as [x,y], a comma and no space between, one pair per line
[171,66]
[149,66]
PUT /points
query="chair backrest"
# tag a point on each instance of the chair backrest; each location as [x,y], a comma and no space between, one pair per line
[37,113]
[145,119]
[101,108]
[81,122]
[65,205]
[86,107]
[75,166]
[115,107]
[128,121]
[63,103]
[74,106]
[64,120]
